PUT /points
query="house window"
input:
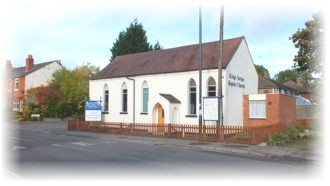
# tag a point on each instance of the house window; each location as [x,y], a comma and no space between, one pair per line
[192,97]
[124,98]
[16,84]
[10,85]
[145,97]
[266,91]
[106,98]
[257,109]
[211,87]
[15,105]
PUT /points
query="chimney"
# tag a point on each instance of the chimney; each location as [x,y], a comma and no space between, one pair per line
[8,67]
[29,63]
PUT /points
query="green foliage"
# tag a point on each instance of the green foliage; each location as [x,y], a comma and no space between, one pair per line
[64,96]
[296,76]
[310,42]
[291,135]
[133,40]
[262,71]
[285,76]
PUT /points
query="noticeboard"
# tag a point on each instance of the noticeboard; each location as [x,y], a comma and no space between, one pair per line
[210,108]
[93,111]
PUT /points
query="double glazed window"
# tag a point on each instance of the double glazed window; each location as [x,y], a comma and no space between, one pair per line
[145,97]
[192,97]
[124,97]
[257,109]
[211,87]
[106,98]
[16,84]
[10,85]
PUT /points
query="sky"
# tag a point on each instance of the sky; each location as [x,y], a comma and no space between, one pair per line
[78,32]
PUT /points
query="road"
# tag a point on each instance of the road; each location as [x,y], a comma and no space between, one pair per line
[50,151]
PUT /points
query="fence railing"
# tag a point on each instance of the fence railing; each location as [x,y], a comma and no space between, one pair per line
[214,133]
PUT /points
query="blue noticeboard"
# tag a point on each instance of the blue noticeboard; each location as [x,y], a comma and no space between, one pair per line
[93,111]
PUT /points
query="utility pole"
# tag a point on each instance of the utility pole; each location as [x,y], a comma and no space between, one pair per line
[200,122]
[220,112]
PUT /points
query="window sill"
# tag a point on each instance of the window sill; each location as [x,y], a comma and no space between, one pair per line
[257,118]
[144,113]
[191,116]
[105,112]
[123,113]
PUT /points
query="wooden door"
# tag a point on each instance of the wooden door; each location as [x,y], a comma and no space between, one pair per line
[160,119]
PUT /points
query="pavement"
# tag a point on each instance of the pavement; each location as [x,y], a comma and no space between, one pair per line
[312,153]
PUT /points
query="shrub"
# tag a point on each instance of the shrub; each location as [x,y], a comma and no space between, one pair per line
[289,136]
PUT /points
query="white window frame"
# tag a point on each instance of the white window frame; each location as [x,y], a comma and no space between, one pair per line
[106,98]
[16,84]
[210,85]
[10,85]
[124,95]
[257,109]
[145,91]
[15,104]
[192,85]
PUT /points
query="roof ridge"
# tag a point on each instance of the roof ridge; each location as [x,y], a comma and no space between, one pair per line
[178,59]
[175,48]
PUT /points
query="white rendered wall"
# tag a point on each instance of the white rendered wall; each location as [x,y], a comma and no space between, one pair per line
[241,66]
[177,85]
[41,76]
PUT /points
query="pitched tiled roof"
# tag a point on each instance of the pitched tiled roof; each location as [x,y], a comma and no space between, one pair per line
[266,83]
[178,59]
[297,87]
[20,71]
[170,98]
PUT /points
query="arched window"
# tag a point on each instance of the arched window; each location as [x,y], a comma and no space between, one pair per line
[145,97]
[124,97]
[106,98]
[211,87]
[192,97]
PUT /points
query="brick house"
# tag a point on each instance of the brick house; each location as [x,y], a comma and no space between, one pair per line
[299,90]
[269,86]
[18,80]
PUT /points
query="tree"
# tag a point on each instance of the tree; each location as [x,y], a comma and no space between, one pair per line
[133,40]
[157,46]
[310,42]
[262,71]
[65,95]
[285,76]
[301,77]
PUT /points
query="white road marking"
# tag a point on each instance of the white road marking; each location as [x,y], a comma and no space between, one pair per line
[18,147]
[14,175]
[81,143]
[74,148]
[14,138]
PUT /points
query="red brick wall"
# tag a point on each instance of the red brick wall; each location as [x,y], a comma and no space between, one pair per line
[14,94]
[279,109]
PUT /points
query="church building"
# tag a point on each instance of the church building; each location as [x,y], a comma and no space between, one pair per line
[162,86]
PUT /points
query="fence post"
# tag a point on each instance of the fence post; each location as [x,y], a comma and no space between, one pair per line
[131,128]
[169,130]
[121,128]
[182,131]
[204,132]
[217,133]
